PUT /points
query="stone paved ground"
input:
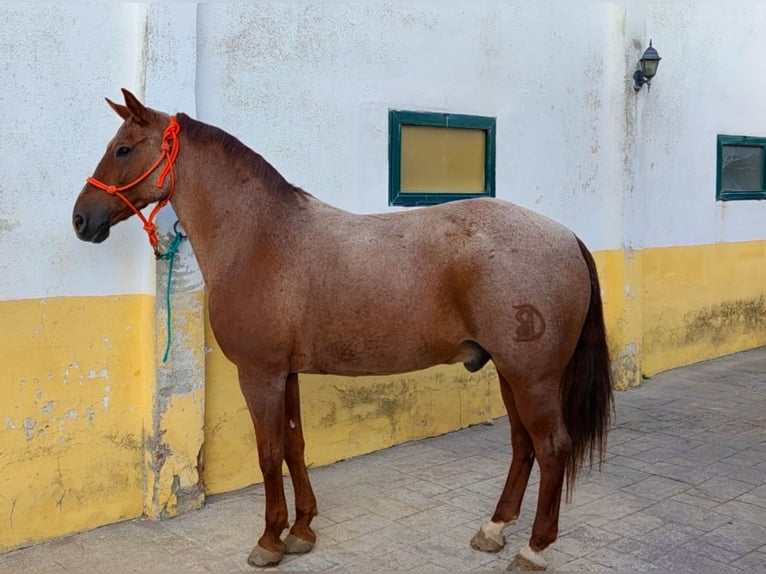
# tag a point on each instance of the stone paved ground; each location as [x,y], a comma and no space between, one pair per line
[684,488]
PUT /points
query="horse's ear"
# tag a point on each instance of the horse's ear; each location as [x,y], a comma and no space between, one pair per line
[121,111]
[137,110]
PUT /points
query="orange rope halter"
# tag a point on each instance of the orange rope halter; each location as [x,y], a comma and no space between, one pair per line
[170,152]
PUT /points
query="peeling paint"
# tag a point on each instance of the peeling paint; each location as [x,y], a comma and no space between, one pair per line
[9,423]
[29,428]
[48,407]
[626,367]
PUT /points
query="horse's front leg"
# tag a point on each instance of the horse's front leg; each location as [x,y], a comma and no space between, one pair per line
[265,396]
[301,538]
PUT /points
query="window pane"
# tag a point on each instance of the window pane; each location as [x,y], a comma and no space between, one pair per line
[741,168]
[442,160]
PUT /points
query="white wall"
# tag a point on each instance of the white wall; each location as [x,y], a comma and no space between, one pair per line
[710,81]
[309,86]
[58,63]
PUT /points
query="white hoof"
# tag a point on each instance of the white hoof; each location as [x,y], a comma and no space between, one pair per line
[527,560]
[490,537]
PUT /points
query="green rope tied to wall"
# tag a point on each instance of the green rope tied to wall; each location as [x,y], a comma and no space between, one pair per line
[170,255]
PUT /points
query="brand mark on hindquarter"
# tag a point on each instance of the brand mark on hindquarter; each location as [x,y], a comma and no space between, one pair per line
[531,324]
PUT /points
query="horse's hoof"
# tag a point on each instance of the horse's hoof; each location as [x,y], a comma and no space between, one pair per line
[260,557]
[487,543]
[527,560]
[297,545]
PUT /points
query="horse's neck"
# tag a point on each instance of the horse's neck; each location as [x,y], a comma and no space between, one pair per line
[227,213]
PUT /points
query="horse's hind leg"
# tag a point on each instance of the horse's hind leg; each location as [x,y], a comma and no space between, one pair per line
[490,536]
[301,537]
[540,410]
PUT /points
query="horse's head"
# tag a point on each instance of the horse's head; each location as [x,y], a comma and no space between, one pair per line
[117,189]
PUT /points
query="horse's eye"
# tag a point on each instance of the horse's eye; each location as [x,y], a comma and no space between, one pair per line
[123,151]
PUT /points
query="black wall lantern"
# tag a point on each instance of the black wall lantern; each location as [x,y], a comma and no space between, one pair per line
[648,68]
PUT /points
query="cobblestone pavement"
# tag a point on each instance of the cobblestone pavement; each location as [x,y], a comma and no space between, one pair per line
[684,488]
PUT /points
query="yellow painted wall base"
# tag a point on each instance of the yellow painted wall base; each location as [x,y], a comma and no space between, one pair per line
[702,302]
[73,373]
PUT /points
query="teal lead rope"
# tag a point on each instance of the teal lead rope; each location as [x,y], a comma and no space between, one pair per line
[170,255]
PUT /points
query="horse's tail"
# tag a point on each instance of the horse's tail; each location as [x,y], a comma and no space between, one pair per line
[586,387]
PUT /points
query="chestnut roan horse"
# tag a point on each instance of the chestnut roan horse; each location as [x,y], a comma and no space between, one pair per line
[298,286]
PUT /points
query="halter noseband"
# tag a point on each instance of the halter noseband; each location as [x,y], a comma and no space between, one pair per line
[169,151]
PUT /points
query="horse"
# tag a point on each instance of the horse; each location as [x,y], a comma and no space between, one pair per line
[296,285]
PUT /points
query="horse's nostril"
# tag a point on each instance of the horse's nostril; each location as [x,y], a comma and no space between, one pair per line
[79,223]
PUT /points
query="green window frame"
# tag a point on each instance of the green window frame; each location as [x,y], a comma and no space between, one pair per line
[726,169]
[399,118]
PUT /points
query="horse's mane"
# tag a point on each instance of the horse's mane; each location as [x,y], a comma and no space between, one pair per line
[238,151]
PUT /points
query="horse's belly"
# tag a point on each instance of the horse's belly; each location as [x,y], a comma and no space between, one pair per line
[354,360]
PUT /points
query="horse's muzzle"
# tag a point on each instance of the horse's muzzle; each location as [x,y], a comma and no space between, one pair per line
[89,230]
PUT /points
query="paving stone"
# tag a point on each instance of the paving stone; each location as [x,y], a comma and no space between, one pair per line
[634,525]
[700,547]
[579,540]
[755,562]
[390,557]
[657,487]
[688,515]
[744,511]
[472,502]
[388,507]
[620,561]
[612,507]
[621,435]
[341,514]
[616,477]
[722,489]
[682,560]
[586,565]
[666,538]
[307,563]
[416,498]
[356,527]
[738,536]
[591,491]
[742,458]
[39,558]
[693,500]
[709,453]
[756,496]
[487,488]
[752,474]
[455,557]
[692,474]
[659,454]
[441,518]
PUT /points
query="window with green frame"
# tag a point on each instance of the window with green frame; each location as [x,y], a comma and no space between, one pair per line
[741,170]
[436,157]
